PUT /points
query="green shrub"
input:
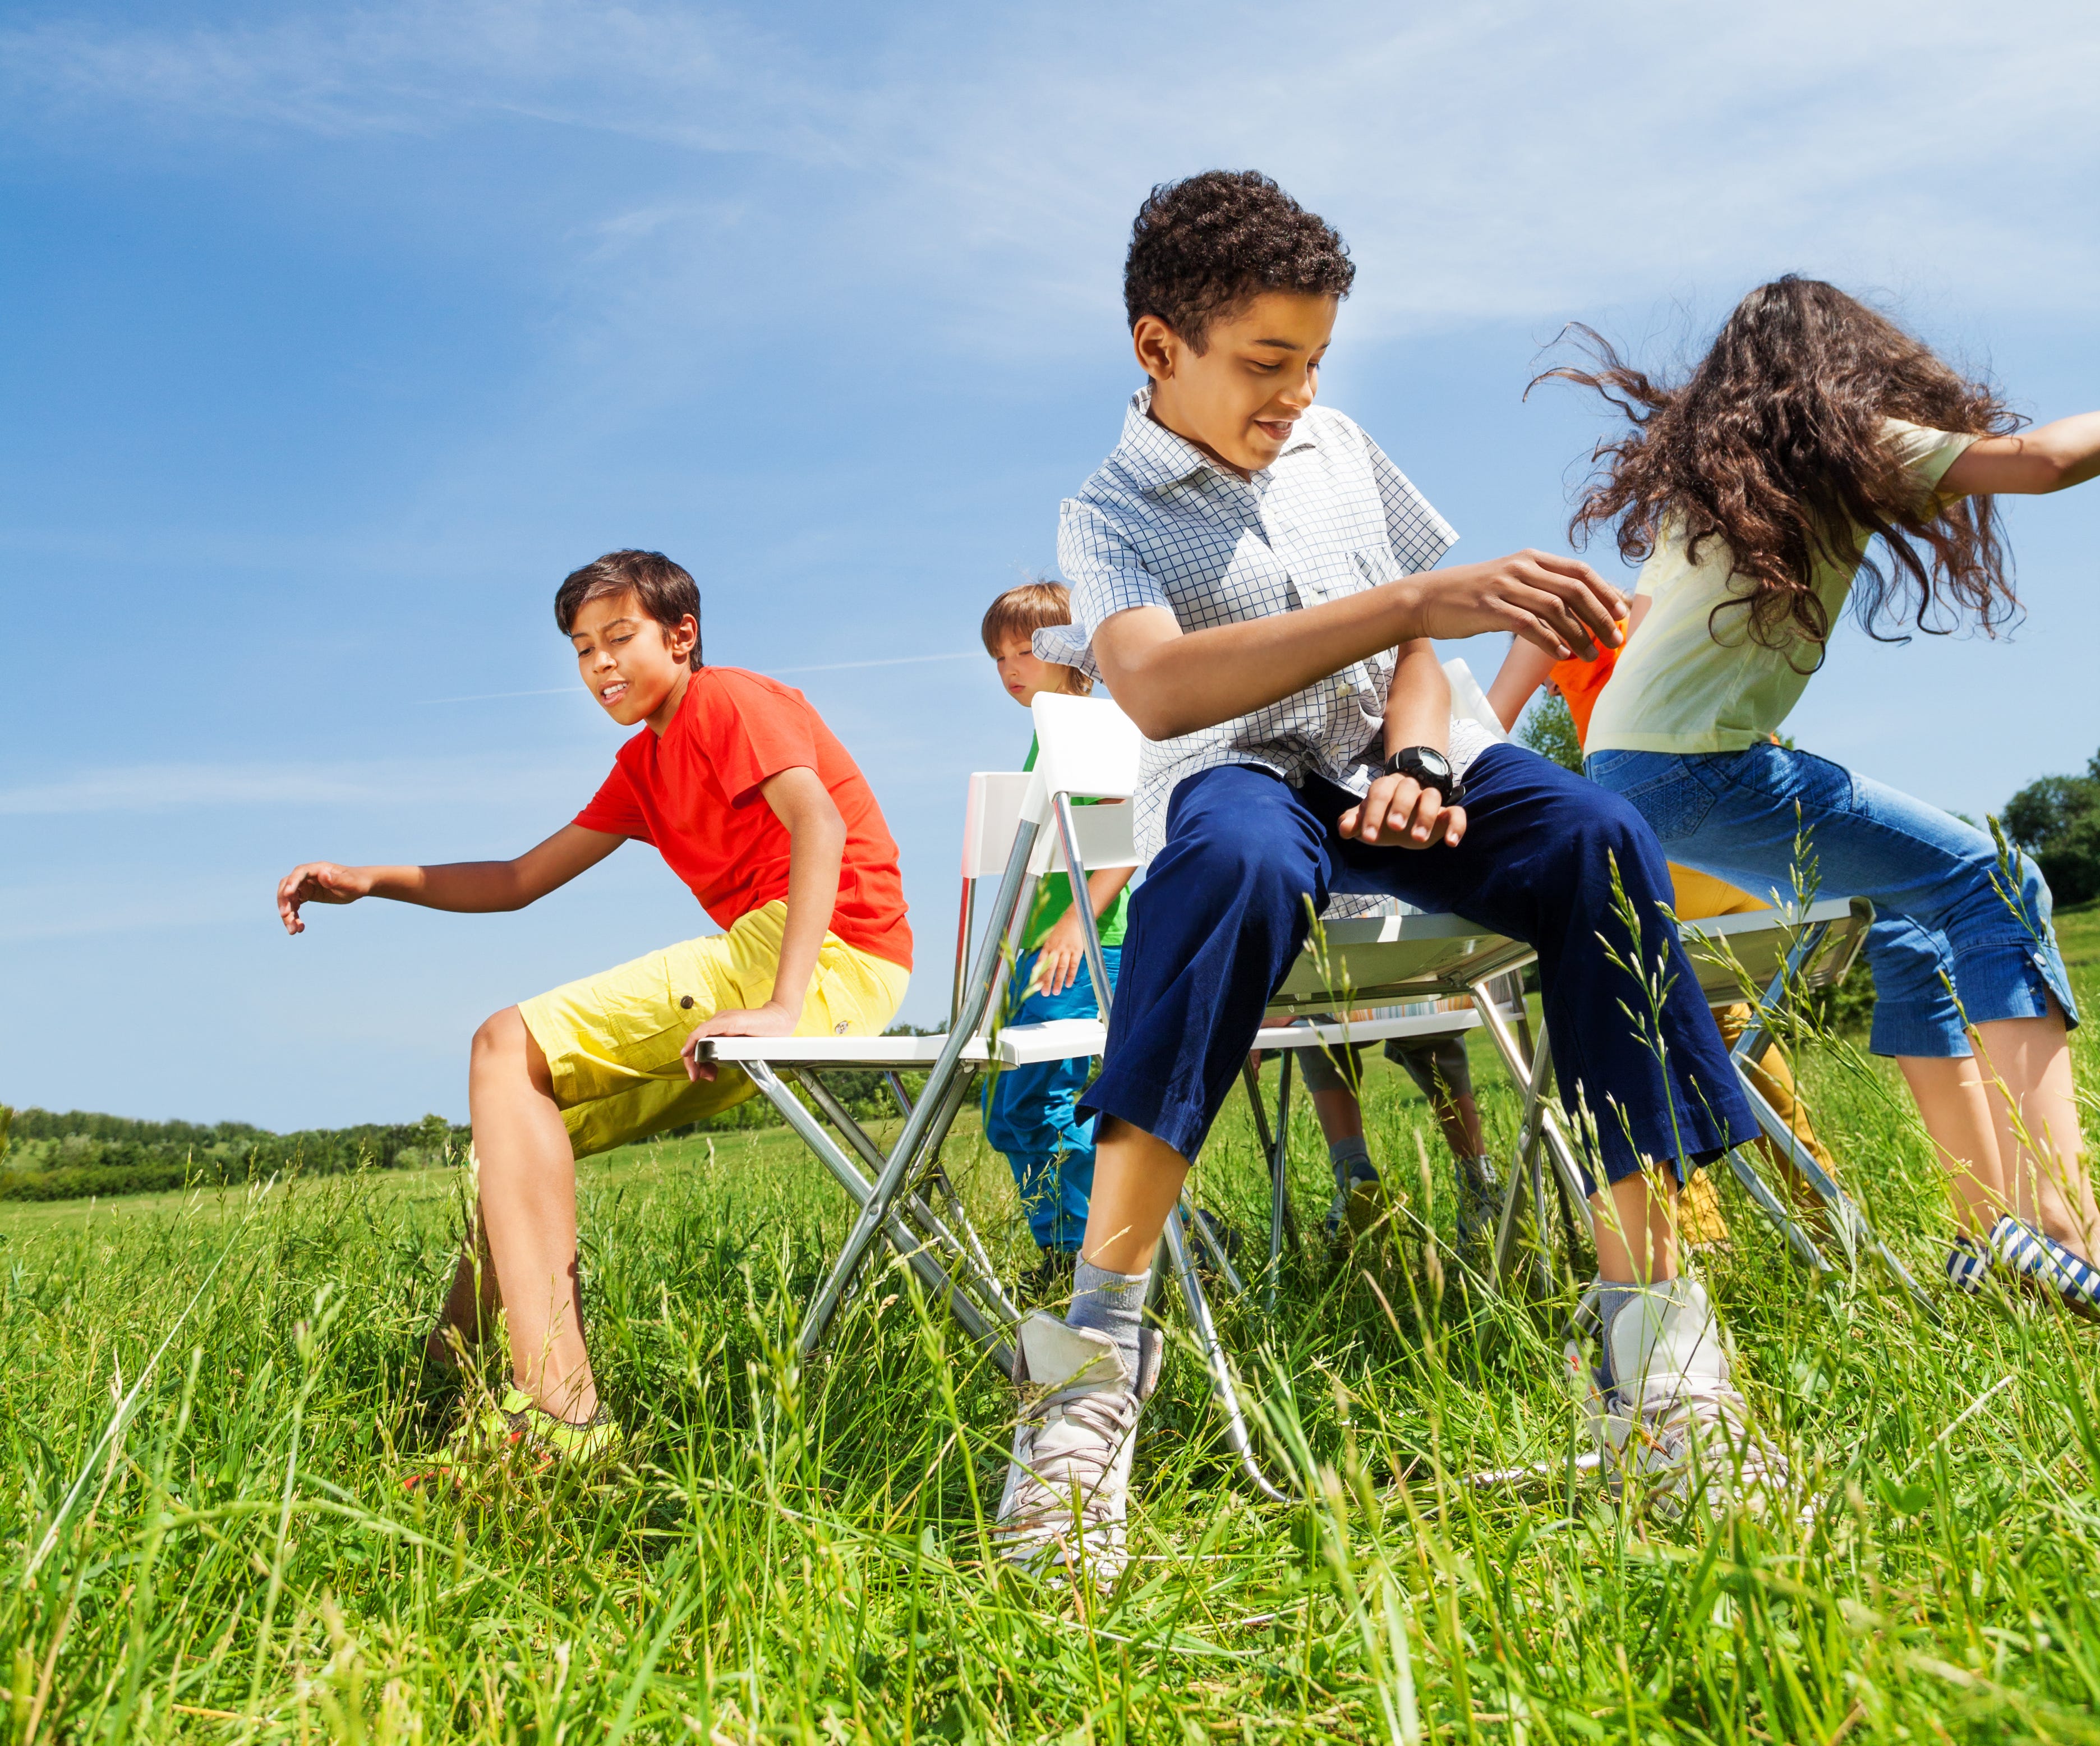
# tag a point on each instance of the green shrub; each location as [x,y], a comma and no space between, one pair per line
[1549,729]
[2057,820]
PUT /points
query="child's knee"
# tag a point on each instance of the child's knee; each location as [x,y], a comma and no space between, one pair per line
[503,1044]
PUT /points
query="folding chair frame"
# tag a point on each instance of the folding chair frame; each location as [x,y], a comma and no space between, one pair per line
[1542,1123]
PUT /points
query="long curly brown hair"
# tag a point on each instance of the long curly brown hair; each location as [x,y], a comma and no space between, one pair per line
[1773,444]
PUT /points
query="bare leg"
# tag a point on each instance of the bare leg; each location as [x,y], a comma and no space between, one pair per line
[528,1197]
[1637,1229]
[1952,1097]
[472,1303]
[1459,1117]
[1341,1116]
[1137,1179]
[2041,1155]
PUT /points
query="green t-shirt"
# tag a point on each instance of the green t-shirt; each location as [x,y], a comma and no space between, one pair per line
[1053,897]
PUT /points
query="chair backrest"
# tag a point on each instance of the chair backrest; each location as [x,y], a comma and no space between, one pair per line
[990,819]
[1085,747]
[993,814]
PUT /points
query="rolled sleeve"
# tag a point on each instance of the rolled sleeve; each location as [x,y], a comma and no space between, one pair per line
[1419,535]
[1106,576]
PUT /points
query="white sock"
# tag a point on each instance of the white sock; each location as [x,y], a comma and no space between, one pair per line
[1112,1304]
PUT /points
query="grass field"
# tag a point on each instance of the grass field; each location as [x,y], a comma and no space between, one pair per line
[799,1553]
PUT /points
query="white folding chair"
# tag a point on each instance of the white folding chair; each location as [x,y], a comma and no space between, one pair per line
[1088,748]
[1004,833]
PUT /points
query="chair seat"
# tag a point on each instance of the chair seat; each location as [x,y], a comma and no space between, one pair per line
[1379,1030]
[1759,940]
[1379,960]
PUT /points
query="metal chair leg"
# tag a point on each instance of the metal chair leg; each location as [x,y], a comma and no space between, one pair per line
[911,1144]
[1775,1215]
[1279,1189]
[963,1242]
[1534,1077]
[1183,1266]
[931,1274]
[1206,1239]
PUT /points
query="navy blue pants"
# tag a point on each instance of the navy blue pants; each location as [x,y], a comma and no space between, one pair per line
[1223,912]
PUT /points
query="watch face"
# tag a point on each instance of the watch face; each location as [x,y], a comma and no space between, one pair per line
[1433,762]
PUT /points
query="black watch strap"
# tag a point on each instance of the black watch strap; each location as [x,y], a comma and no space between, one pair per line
[1431,769]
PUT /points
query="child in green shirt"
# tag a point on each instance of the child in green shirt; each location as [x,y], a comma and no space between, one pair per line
[1029,1112]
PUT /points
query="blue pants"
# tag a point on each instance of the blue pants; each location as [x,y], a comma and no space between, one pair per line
[1223,912]
[1946,911]
[1028,1111]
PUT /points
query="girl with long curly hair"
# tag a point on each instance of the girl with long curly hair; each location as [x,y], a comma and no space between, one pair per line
[1819,453]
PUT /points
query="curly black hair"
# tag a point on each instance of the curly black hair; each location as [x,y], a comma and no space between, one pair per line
[1205,243]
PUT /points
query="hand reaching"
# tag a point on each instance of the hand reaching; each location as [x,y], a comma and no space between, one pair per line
[1062,952]
[1557,602]
[318,882]
[1399,813]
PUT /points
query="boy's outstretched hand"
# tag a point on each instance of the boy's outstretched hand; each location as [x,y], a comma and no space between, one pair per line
[1399,813]
[769,1020]
[319,882]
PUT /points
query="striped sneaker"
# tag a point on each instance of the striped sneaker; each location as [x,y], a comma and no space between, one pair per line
[513,1428]
[1969,1264]
[2043,1260]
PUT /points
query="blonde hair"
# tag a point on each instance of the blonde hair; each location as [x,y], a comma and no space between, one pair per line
[1026,610]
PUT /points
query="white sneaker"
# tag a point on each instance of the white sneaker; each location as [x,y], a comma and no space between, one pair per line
[1067,1486]
[1665,1416]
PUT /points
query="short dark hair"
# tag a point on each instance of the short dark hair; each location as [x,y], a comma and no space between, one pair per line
[1208,243]
[666,592]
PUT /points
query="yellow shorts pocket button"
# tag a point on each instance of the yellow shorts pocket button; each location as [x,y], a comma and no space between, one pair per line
[685,1002]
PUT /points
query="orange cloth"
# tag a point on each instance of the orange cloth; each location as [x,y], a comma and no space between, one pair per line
[694,794]
[1579,681]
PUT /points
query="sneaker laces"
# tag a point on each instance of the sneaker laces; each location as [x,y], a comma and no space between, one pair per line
[1086,1427]
[1687,1419]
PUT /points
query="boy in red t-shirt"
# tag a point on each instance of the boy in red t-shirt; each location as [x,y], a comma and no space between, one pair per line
[751,800]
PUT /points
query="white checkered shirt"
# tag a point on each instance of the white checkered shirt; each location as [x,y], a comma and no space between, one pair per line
[1160,524]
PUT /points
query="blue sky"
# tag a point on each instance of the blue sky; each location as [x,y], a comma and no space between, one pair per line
[339,336]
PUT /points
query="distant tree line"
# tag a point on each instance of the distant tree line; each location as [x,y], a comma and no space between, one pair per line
[53,1156]
[45,1155]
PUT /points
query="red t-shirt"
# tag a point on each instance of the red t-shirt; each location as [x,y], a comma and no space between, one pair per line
[692,792]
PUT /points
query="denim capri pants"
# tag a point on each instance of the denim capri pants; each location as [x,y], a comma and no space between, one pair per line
[1961,937]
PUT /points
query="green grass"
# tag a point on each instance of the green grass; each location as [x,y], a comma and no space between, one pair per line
[798,1552]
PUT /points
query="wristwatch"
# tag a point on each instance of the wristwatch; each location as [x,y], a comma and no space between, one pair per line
[1429,768]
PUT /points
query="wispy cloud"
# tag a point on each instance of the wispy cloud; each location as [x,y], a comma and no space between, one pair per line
[1518,161]
[201,787]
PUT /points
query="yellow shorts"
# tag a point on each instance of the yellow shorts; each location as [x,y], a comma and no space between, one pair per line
[612,1040]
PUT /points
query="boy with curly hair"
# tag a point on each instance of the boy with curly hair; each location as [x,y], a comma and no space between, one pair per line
[1253,578]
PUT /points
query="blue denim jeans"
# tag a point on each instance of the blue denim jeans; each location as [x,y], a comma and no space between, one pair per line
[1224,911]
[1029,1114]
[1948,911]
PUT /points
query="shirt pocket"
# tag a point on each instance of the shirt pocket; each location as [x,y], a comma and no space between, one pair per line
[1375,564]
